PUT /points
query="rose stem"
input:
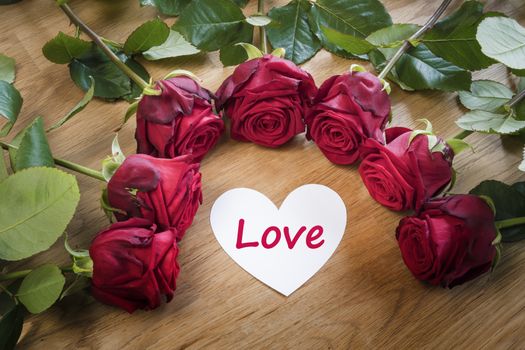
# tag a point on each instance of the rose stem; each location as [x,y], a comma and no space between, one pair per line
[463,134]
[517,98]
[23,273]
[6,291]
[14,275]
[66,164]
[105,48]
[510,222]
[262,30]
[406,44]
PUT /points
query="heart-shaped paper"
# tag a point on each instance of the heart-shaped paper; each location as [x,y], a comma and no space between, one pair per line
[315,217]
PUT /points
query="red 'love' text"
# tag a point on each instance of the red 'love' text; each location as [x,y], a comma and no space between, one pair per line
[272,236]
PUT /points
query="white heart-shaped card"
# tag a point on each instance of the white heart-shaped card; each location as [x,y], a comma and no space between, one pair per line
[282,247]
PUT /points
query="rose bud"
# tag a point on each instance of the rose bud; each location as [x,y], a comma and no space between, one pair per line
[450,241]
[178,122]
[266,99]
[410,169]
[164,191]
[134,265]
[347,110]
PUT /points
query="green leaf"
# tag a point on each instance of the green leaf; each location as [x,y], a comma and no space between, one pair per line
[241,3]
[290,30]
[3,167]
[489,122]
[37,205]
[147,35]
[8,2]
[131,111]
[16,142]
[232,55]
[458,145]
[174,46]
[347,42]
[7,68]
[63,48]
[509,203]
[519,108]
[212,24]
[354,17]
[136,91]
[454,37]
[41,288]
[11,327]
[519,186]
[420,69]
[388,40]
[7,301]
[167,7]
[522,164]
[33,150]
[503,39]
[78,107]
[110,81]
[10,105]
[485,95]
[259,20]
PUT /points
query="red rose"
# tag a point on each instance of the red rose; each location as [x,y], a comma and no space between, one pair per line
[266,99]
[347,110]
[178,122]
[133,265]
[168,191]
[404,173]
[450,241]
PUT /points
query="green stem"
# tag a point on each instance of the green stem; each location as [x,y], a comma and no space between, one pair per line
[8,292]
[80,169]
[510,222]
[262,30]
[112,43]
[105,48]
[14,275]
[407,43]
[23,273]
[463,134]
[517,98]
[66,164]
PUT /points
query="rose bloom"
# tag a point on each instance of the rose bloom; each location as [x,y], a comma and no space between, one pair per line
[179,122]
[449,242]
[168,191]
[347,110]
[134,265]
[266,99]
[404,173]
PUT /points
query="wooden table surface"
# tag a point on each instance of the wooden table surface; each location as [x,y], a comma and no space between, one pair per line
[363,297]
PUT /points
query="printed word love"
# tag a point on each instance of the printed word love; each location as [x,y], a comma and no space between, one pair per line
[314,234]
[282,247]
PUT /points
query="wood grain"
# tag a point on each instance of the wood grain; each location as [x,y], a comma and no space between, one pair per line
[363,297]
